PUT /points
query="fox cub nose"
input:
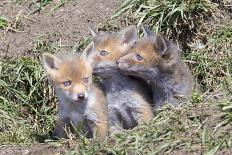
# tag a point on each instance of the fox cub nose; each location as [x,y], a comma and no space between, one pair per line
[122,64]
[81,96]
[119,61]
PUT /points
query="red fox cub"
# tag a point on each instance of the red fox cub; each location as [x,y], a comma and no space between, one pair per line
[127,98]
[81,104]
[157,59]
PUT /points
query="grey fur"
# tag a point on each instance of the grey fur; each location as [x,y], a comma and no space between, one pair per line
[123,103]
[78,114]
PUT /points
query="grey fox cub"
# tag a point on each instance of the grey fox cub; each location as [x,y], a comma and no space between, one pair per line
[81,104]
[157,59]
[127,99]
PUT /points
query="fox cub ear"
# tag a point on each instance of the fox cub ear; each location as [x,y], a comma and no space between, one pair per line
[92,31]
[161,44]
[147,32]
[85,55]
[50,62]
[128,35]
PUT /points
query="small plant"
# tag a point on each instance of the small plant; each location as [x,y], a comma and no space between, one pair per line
[41,4]
[3,22]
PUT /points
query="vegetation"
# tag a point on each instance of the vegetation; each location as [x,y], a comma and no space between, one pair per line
[202,125]
[177,19]
[3,22]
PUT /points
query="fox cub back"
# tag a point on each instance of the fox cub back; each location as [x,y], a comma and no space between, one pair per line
[81,104]
[127,98]
[158,60]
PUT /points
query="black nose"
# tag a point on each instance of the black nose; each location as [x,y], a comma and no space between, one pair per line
[81,96]
[118,61]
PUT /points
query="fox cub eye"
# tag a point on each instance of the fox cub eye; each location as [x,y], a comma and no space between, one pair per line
[139,57]
[86,80]
[67,83]
[104,53]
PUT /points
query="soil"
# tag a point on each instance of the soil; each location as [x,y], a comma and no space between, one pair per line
[28,28]
[38,149]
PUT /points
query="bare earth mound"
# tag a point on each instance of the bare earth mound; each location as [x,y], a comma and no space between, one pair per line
[28,28]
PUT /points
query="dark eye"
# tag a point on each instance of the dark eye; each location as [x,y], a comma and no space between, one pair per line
[86,80]
[139,57]
[104,53]
[67,83]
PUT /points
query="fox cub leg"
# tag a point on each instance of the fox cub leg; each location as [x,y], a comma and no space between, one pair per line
[115,129]
[100,131]
[145,114]
[61,128]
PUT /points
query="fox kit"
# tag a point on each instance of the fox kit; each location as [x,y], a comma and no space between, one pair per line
[81,104]
[157,59]
[127,99]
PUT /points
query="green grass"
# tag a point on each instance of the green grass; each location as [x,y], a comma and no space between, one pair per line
[193,128]
[26,98]
[3,22]
[212,64]
[176,19]
[202,125]
[42,4]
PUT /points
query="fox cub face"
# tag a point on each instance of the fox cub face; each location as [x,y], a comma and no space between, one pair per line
[151,51]
[71,77]
[109,47]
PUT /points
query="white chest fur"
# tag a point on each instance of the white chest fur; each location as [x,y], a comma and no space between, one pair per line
[77,111]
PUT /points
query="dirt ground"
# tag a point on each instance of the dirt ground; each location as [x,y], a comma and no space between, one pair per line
[39,149]
[62,28]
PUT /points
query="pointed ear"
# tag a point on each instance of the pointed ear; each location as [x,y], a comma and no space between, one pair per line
[87,51]
[92,31]
[147,32]
[128,35]
[50,62]
[161,44]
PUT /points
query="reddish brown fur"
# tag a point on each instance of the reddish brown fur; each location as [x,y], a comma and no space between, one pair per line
[145,114]
[68,70]
[145,48]
[101,111]
[112,45]
[166,65]
[75,69]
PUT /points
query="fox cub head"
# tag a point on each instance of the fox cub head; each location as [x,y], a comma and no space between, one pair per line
[108,47]
[71,77]
[152,51]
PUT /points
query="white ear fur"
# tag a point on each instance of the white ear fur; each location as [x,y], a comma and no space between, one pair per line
[92,31]
[50,62]
[147,32]
[128,35]
[87,51]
